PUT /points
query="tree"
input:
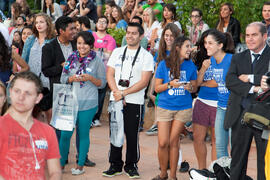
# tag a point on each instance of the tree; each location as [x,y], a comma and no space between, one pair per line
[246,11]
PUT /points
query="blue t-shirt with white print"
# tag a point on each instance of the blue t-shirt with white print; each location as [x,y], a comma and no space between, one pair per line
[156,55]
[208,93]
[220,71]
[176,98]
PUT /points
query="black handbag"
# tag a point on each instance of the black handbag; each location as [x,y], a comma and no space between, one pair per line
[257,115]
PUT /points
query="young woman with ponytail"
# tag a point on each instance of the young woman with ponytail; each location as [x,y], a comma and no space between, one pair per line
[220,47]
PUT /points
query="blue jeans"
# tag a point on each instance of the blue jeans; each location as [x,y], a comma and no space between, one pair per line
[101,97]
[222,135]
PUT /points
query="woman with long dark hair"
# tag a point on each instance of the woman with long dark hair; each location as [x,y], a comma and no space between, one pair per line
[205,107]
[227,23]
[6,55]
[169,16]
[175,80]
[118,20]
[52,9]
[170,33]
[197,26]
[71,6]
[220,47]
[26,32]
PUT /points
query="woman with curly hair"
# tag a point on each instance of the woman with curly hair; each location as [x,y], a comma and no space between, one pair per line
[24,7]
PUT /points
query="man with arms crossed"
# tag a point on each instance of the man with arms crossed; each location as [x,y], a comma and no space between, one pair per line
[128,83]
[245,80]
[26,144]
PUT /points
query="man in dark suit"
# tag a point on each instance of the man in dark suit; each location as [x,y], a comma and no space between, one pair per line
[244,81]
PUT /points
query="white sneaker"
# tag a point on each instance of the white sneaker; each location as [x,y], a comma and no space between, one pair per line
[77,171]
[96,123]
[152,131]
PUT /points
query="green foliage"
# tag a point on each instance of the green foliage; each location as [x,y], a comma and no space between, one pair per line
[246,11]
[117,34]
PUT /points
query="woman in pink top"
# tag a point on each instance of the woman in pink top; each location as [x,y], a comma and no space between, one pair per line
[104,45]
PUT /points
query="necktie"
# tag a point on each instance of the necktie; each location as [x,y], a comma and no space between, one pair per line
[256,56]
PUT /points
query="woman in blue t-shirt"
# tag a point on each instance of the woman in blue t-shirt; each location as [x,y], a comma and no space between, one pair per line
[220,47]
[118,18]
[175,80]
[204,110]
[170,33]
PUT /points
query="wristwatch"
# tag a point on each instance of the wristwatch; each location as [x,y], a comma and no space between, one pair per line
[169,86]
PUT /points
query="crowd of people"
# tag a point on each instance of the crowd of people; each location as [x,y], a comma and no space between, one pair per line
[196,80]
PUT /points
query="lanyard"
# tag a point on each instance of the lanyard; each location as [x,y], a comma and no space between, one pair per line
[134,60]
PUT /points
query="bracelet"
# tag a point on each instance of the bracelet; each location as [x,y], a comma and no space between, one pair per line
[169,85]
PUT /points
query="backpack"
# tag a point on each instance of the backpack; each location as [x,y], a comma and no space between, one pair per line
[257,115]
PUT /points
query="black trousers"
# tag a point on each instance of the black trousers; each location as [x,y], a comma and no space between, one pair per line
[241,141]
[101,97]
[132,118]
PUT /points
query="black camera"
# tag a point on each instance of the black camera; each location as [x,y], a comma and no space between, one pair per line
[268,78]
[123,83]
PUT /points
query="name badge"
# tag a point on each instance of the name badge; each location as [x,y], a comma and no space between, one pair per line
[99,41]
[41,144]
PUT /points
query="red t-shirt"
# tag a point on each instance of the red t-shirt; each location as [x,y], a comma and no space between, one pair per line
[18,158]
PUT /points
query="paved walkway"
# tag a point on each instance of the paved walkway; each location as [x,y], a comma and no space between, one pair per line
[148,165]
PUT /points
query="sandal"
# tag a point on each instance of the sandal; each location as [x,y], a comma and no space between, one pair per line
[160,178]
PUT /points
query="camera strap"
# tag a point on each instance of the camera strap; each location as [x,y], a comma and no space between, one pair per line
[133,62]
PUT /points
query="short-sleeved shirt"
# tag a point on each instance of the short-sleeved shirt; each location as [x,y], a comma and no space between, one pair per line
[144,62]
[176,99]
[156,55]
[107,42]
[92,14]
[122,24]
[156,6]
[19,147]
[208,93]
[219,72]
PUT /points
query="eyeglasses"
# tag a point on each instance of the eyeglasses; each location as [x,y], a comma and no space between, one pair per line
[102,22]
[196,16]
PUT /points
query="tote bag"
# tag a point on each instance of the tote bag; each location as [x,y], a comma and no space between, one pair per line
[65,107]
